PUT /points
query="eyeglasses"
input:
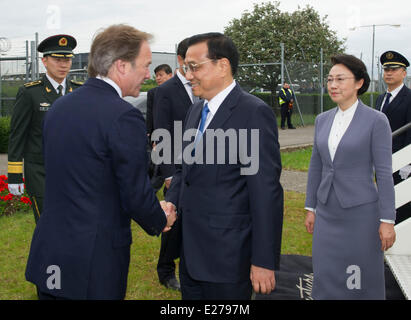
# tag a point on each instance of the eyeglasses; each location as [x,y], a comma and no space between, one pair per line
[193,67]
[338,80]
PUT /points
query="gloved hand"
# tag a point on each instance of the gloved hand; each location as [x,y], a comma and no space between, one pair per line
[16,189]
[405,172]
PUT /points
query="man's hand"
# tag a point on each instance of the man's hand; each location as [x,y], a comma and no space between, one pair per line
[16,189]
[387,235]
[262,280]
[167,182]
[171,214]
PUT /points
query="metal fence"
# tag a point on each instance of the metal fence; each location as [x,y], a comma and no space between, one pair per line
[306,79]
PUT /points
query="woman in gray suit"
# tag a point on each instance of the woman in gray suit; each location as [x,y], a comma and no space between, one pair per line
[351,218]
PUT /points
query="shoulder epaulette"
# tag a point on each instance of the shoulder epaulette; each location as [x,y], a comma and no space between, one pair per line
[79,83]
[33,83]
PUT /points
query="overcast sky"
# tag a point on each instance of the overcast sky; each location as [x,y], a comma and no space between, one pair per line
[172,21]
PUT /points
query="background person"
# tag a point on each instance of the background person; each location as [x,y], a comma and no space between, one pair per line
[396,105]
[96,163]
[286,101]
[352,221]
[33,101]
[162,73]
[171,103]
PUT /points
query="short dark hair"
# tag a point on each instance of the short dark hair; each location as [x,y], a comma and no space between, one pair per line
[164,67]
[356,66]
[219,46]
[182,48]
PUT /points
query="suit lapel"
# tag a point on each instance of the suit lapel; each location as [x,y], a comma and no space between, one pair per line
[222,115]
[69,88]
[182,92]
[354,126]
[325,133]
[397,101]
[49,93]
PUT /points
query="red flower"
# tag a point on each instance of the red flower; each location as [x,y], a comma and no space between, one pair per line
[8,197]
[25,200]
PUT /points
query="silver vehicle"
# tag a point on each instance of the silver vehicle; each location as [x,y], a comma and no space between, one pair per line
[140,102]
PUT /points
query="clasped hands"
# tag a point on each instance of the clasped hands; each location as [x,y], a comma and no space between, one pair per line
[171,214]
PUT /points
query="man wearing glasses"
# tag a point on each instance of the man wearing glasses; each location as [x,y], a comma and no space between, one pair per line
[231,223]
[171,102]
[396,104]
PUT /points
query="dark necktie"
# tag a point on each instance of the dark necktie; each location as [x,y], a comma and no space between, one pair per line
[204,114]
[387,102]
[60,90]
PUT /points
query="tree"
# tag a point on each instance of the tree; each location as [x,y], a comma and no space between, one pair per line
[258,35]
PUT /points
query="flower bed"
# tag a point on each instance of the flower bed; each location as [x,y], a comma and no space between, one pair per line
[10,203]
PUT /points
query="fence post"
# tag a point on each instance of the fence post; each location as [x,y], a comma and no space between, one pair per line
[282,63]
[322,81]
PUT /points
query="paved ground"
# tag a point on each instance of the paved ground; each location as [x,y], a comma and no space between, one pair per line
[289,139]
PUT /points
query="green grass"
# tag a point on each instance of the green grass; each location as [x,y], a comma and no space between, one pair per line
[16,232]
[298,160]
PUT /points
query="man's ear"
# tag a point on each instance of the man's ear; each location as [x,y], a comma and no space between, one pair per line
[120,66]
[225,65]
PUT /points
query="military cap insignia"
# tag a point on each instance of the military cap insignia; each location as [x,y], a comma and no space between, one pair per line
[389,55]
[63,42]
[60,45]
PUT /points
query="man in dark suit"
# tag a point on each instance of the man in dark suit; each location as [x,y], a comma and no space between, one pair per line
[231,219]
[162,73]
[33,101]
[396,104]
[96,177]
[171,102]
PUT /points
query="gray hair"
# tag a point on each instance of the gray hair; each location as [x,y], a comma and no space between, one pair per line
[113,43]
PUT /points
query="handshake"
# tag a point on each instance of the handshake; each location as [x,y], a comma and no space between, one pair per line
[171,214]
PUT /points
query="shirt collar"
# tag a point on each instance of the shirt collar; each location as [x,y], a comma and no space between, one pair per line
[215,102]
[396,90]
[111,83]
[55,84]
[182,78]
[350,111]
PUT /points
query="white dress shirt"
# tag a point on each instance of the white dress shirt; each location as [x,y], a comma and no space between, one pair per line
[393,95]
[340,125]
[186,84]
[111,83]
[214,104]
[55,84]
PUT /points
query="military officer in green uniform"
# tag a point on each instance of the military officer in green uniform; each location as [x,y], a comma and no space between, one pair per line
[33,100]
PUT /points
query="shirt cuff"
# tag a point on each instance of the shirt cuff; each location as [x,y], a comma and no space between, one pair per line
[387,221]
[310,209]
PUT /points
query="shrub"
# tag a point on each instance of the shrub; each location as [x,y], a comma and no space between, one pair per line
[4,134]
